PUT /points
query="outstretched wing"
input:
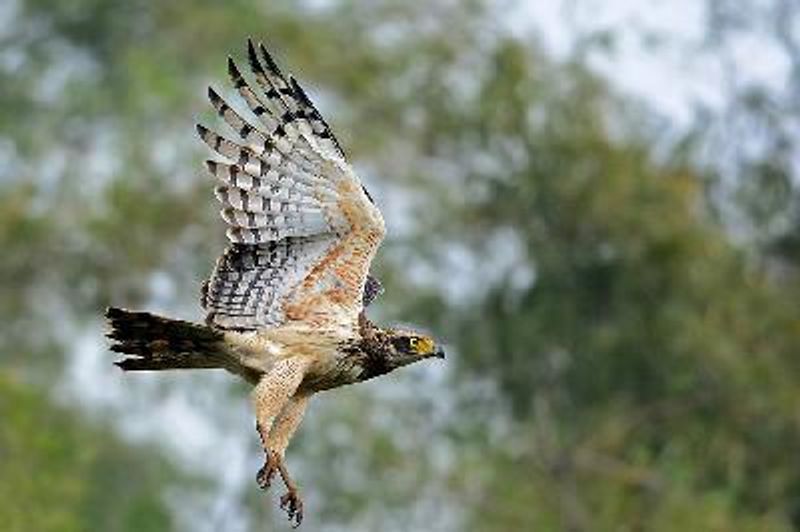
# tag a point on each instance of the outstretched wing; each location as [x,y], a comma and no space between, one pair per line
[302,228]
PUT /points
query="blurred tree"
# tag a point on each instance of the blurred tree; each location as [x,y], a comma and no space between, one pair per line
[648,364]
[751,144]
[62,474]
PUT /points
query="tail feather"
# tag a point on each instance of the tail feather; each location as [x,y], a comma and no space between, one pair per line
[157,343]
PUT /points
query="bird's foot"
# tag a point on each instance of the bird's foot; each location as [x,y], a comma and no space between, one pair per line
[267,472]
[291,501]
[293,504]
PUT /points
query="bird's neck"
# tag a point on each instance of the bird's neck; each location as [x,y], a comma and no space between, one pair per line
[372,349]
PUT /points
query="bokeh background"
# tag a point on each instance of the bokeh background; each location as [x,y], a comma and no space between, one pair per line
[596,204]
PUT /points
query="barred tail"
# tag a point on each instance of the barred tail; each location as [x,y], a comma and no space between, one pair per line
[157,343]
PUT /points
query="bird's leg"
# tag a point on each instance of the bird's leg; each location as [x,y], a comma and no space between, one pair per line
[267,472]
[278,414]
[291,501]
[277,440]
[282,431]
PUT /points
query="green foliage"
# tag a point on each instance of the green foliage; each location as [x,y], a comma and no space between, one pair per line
[646,344]
[62,474]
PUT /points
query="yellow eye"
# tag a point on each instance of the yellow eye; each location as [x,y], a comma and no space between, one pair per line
[421,346]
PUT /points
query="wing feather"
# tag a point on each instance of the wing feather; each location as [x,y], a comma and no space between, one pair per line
[302,228]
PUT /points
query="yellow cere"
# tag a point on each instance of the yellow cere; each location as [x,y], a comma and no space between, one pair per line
[422,345]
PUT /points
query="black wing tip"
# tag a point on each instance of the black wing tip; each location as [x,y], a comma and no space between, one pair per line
[233,70]
[202,130]
[252,57]
[301,93]
[213,95]
[255,62]
[295,85]
[268,59]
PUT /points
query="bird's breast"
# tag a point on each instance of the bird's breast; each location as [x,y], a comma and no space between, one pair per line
[329,367]
[336,369]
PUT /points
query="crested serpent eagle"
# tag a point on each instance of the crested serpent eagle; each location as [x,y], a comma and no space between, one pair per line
[285,303]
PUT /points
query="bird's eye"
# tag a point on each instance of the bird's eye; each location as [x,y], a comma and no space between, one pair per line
[413,343]
[405,344]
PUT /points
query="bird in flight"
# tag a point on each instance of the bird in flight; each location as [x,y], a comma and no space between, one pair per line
[285,304]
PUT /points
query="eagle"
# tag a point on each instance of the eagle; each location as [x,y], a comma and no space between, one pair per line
[285,304]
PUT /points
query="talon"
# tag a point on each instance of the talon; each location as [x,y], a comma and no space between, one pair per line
[290,502]
[267,472]
[264,477]
[293,505]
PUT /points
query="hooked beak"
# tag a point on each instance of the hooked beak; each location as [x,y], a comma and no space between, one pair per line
[439,353]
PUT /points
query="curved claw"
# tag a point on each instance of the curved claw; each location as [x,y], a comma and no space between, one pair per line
[267,472]
[291,501]
[293,504]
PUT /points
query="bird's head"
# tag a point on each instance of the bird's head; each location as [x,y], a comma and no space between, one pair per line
[402,347]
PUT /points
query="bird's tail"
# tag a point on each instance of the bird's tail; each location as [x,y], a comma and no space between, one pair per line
[157,343]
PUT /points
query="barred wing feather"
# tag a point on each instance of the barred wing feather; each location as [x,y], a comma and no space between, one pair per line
[302,228]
